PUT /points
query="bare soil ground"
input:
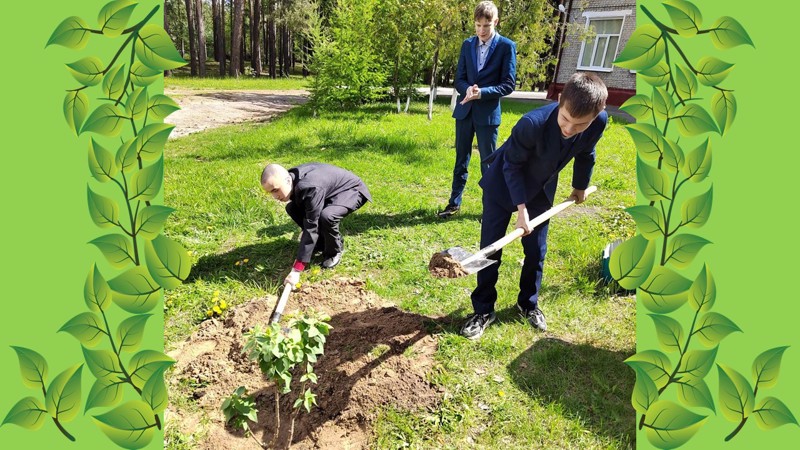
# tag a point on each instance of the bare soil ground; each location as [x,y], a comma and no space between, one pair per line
[206,109]
[376,356]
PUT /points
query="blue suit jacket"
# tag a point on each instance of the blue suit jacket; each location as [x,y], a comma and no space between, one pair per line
[528,163]
[497,78]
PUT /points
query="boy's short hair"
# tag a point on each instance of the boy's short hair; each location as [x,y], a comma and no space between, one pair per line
[584,94]
[486,10]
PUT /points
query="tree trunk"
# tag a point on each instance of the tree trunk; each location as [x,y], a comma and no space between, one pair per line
[271,43]
[192,41]
[218,12]
[236,42]
[432,95]
[245,17]
[255,37]
[202,56]
[166,28]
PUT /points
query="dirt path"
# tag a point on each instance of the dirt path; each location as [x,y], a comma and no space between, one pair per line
[207,109]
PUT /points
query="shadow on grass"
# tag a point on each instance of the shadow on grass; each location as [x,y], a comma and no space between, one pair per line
[592,385]
[266,263]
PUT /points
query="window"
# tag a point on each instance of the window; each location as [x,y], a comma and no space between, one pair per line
[599,53]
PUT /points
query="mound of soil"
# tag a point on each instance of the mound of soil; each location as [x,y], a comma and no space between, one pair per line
[375,356]
[442,265]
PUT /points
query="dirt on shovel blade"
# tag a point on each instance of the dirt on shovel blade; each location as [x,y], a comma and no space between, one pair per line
[442,265]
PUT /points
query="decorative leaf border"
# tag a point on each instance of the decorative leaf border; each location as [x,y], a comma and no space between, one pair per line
[112,103]
[655,261]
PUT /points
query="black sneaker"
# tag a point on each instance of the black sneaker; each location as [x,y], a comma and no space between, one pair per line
[451,210]
[330,263]
[475,325]
[534,316]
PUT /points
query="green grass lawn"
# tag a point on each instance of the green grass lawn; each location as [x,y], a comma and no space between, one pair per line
[514,388]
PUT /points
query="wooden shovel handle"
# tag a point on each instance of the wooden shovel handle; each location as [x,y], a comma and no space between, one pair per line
[535,222]
[278,312]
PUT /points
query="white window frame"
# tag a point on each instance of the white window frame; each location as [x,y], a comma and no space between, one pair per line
[589,15]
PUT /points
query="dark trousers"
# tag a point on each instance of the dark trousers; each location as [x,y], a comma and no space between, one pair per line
[330,240]
[494,224]
[466,131]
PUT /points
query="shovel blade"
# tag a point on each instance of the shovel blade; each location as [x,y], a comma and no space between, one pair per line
[474,266]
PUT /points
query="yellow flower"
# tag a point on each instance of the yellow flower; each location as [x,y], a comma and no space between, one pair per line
[223,304]
[209,313]
[501,393]
[216,293]
[246,260]
[216,309]
[237,263]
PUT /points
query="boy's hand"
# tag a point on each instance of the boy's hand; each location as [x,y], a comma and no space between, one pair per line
[293,278]
[473,93]
[579,195]
[523,219]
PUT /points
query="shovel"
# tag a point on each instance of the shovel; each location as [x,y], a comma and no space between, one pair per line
[278,311]
[468,263]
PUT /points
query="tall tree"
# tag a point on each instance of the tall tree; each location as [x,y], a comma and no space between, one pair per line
[271,48]
[255,36]
[190,20]
[236,42]
[202,56]
[218,14]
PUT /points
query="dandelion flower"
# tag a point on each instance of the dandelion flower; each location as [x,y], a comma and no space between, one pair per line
[216,309]
[209,313]
[223,304]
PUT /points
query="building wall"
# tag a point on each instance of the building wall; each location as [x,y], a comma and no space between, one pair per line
[620,82]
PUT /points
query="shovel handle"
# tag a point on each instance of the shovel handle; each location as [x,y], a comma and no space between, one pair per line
[535,222]
[278,312]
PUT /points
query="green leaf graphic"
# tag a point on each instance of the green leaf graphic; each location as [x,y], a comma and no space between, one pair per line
[696,211]
[146,363]
[685,17]
[156,50]
[101,162]
[167,261]
[154,392]
[64,394]
[130,425]
[723,106]
[713,328]
[735,394]
[644,49]
[772,413]
[648,220]
[639,106]
[693,120]
[655,363]
[146,183]
[151,139]
[136,106]
[135,291]
[131,332]
[703,292]
[32,366]
[106,120]
[664,290]
[698,162]
[767,366]
[162,106]
[673,155]
[669,332]
[76,107]
[697,363]
[669,425]
[695,392]
[657,75]
[645,392]
[86,327]
[103,364]
[648,139]
[712,71]
[96,291]
[632,261]
[728,33]
[685,82]
[142,75]
[104,212]
[150,220]
[117,249]
[663,105]
[114,82]
[114,17]
[87,71]
[104,393]
[653,183]
[28,413]
[72,33]
[126,155]
[682,249]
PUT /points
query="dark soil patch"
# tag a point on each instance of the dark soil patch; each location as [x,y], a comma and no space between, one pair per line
[376,356]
